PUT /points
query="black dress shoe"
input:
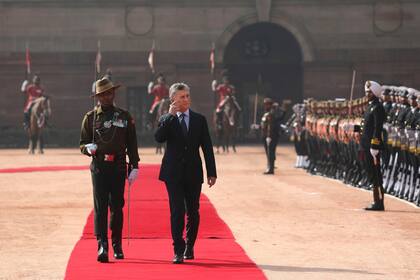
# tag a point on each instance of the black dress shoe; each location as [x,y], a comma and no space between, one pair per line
[102,251]
[268,172]
[118,252]
[376,206]
[189,254]
[178,258]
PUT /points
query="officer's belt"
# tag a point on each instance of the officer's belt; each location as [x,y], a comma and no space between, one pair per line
[109,157]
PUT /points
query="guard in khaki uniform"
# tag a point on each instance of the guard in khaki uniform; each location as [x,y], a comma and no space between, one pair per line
[113,137]
[270,124]
[371,143]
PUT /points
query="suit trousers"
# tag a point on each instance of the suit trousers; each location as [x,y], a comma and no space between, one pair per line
[184,197]
[108,180]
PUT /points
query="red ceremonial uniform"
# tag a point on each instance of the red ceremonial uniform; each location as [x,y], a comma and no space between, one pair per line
[223,91]
[160,92]
[33,92]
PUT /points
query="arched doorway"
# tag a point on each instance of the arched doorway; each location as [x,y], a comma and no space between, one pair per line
[264,58]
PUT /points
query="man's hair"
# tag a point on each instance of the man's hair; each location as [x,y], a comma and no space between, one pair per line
[177,86]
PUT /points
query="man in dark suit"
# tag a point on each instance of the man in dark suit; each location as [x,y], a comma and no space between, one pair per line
[185,132]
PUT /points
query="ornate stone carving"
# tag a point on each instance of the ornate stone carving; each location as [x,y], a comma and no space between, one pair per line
[138,20]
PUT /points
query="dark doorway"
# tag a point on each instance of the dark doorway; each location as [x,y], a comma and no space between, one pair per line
[137,105]
[267,58]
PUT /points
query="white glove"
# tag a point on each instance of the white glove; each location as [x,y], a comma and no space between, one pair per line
[255,126]
[24,84]
[133,176]
[374,152]
[91,148]
[268,141]
[150,87]
[213,85]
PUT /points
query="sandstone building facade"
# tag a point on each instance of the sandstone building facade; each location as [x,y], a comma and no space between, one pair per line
[285,49]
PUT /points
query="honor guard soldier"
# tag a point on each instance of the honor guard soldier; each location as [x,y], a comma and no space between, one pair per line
[297,124]
[159,91]
[371,143]
[108,134]
[386,98]
[409,178]
[223,90]
[33,91]
[400,142]
[416,179]
[270,124]
[387,103]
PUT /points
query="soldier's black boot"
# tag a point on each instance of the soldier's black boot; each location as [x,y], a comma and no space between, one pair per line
[376,206]
[270,168]
[102,251]
[118,252]
[378,197]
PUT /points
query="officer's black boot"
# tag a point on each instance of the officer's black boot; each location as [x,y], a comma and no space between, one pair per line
[102,250]
[269,171]
[118,252]
[270,168]
[378,197]
[376,206]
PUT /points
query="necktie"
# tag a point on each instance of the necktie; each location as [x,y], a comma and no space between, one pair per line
[184,125]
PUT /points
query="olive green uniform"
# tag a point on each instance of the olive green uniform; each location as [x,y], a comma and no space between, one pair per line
[115,137]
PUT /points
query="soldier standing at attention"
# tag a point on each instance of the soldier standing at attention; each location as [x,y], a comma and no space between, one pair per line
[108,134]
[387,103]
[270,128]
[386,98]
[371,143]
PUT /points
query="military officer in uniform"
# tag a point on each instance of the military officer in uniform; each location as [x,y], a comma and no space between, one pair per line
[108,134]
[270,125]
[371,143]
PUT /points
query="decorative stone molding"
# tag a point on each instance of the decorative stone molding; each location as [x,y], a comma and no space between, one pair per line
[138,20]
[387,16]
[280,18]
[263,9]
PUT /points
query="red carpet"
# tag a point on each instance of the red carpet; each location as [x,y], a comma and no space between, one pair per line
[150,251]
[43,169]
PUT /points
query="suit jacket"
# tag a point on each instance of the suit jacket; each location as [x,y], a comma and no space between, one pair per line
[182,160]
